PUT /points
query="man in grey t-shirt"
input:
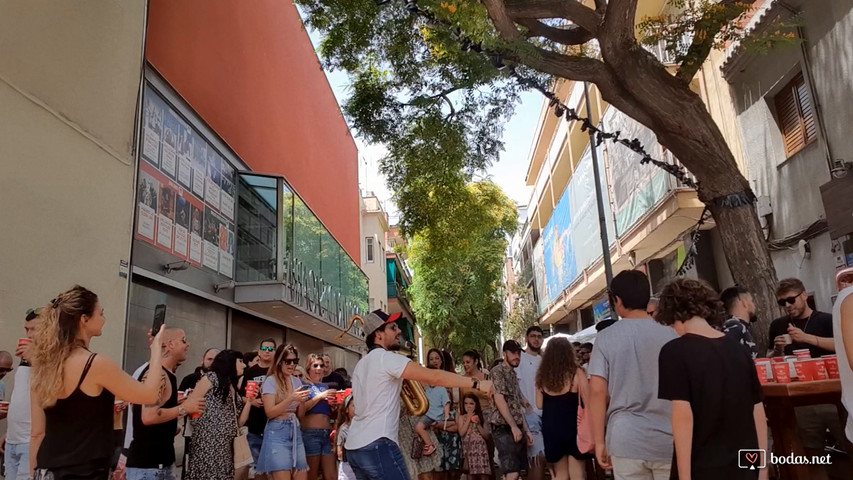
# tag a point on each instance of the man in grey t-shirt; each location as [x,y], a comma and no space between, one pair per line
[623,370]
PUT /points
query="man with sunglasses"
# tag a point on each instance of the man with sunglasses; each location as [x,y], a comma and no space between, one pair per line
[15,444]
[257,416]
[807,328]
[372,449]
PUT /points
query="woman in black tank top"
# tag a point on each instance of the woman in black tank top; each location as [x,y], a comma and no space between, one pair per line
[72,431]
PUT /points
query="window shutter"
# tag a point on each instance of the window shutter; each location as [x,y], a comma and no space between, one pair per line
[795,114]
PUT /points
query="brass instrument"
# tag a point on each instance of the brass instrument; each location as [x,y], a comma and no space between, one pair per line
[414,398]
[412,394]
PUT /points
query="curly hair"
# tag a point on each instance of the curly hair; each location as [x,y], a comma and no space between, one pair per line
[685,298]
[55,339]
[558,367]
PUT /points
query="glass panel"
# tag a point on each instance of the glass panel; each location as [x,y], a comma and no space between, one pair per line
[257,236]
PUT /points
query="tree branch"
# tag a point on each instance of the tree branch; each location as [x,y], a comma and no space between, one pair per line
[704,39]
[573,10]
[501,20]
[571,35]
[619,20]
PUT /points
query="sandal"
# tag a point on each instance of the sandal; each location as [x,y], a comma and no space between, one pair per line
[429,450]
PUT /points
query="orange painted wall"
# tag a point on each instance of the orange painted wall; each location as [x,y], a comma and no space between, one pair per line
[250,71]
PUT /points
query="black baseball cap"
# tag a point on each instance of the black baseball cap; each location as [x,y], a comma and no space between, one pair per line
[511,346]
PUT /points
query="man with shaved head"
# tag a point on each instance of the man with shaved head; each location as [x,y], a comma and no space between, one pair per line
[152,449]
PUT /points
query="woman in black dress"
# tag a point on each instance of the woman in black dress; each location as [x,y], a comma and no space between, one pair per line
[560,385]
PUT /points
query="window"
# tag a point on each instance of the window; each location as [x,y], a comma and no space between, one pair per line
[795,115]
[368,244]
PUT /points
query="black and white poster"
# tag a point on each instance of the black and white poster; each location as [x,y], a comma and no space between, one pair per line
[148,189]
[169,155]
[196,241]
[165,215]
[212,179]
[152,122]
[182,226]
[199,165]
[185,155]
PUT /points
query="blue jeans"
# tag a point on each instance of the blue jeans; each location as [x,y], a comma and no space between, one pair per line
[17,459]
[380,460]
[255,443]
[166,473]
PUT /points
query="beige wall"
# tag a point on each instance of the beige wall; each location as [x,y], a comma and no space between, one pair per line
[69,78]
[373,225]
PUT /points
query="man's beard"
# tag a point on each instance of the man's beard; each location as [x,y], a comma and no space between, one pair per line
[395,347]
[753,317]
[534,349]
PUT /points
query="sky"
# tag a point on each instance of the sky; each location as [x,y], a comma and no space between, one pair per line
[509,173]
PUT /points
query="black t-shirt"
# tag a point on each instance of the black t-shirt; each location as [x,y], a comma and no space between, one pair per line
[190,380]
[718,378]
[819,323]
[335,381]
[257,416]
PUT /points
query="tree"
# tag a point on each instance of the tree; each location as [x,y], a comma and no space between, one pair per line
[523,313]
[457,267]
[425,82]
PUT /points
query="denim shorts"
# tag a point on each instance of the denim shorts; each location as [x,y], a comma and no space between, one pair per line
[512,455]
[282,449]
[534,423]
[255,444]
[317,441]
[150,473]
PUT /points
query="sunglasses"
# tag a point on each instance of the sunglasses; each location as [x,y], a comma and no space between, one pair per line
[650,313]
[33,313]
[318,365]
[290,361]
[789,300]
[267,349]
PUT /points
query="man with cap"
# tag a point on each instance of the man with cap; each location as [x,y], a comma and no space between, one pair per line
[371,448]
[509,426]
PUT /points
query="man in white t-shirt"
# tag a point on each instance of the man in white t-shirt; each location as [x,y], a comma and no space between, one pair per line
[526,371]
[371,447]
[16,441]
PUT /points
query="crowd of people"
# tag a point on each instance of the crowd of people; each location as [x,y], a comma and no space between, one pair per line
[670,390]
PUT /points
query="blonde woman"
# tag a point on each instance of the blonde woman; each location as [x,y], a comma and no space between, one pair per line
[283,453]
[316,418]
[73,390]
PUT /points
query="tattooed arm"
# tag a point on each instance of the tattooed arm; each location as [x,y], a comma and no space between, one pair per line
[153,414]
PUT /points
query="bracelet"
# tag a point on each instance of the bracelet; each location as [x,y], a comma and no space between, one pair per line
[476,383]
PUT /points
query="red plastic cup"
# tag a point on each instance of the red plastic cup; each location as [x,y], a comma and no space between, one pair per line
[803,354]
[5,404]
[181,395]
[804,371]
[196,415]
[831,362]
[781,373]
[24,341]
[251,389]
[761,370]
[777,360]
[818,368]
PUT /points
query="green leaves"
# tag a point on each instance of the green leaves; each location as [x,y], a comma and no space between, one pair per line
[458,265]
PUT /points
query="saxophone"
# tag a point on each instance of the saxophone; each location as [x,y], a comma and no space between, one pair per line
[412,394]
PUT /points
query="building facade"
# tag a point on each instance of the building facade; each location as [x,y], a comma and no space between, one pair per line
[374,229]
[173,153]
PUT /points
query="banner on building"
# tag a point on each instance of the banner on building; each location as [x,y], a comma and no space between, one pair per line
[185,191]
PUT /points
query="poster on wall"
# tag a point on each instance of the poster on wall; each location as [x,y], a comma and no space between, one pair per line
[196,233]
[199,164]
[212,232]
[227,192]
[226,251]
[147,190]
[169,154]
[185,156]
[182,226]
[212,179]
[165,215]
[152,121]
[560,266]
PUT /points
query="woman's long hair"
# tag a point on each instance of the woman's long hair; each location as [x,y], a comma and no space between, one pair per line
[224,366]
[558,367]
[475,357]
[55,338]
[282,381]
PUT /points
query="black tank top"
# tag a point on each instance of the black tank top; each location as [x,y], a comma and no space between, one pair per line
[78,431]
[153,446]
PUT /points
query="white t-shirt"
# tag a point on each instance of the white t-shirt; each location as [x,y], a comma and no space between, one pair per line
[526,372]
[844,370]
[376,384]
[18,420]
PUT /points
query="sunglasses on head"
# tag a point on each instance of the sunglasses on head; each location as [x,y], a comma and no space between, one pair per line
[290,361]
[788,300]
[33,313]
[267,349]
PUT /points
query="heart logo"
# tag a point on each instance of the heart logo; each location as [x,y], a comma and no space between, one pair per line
[752,457]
